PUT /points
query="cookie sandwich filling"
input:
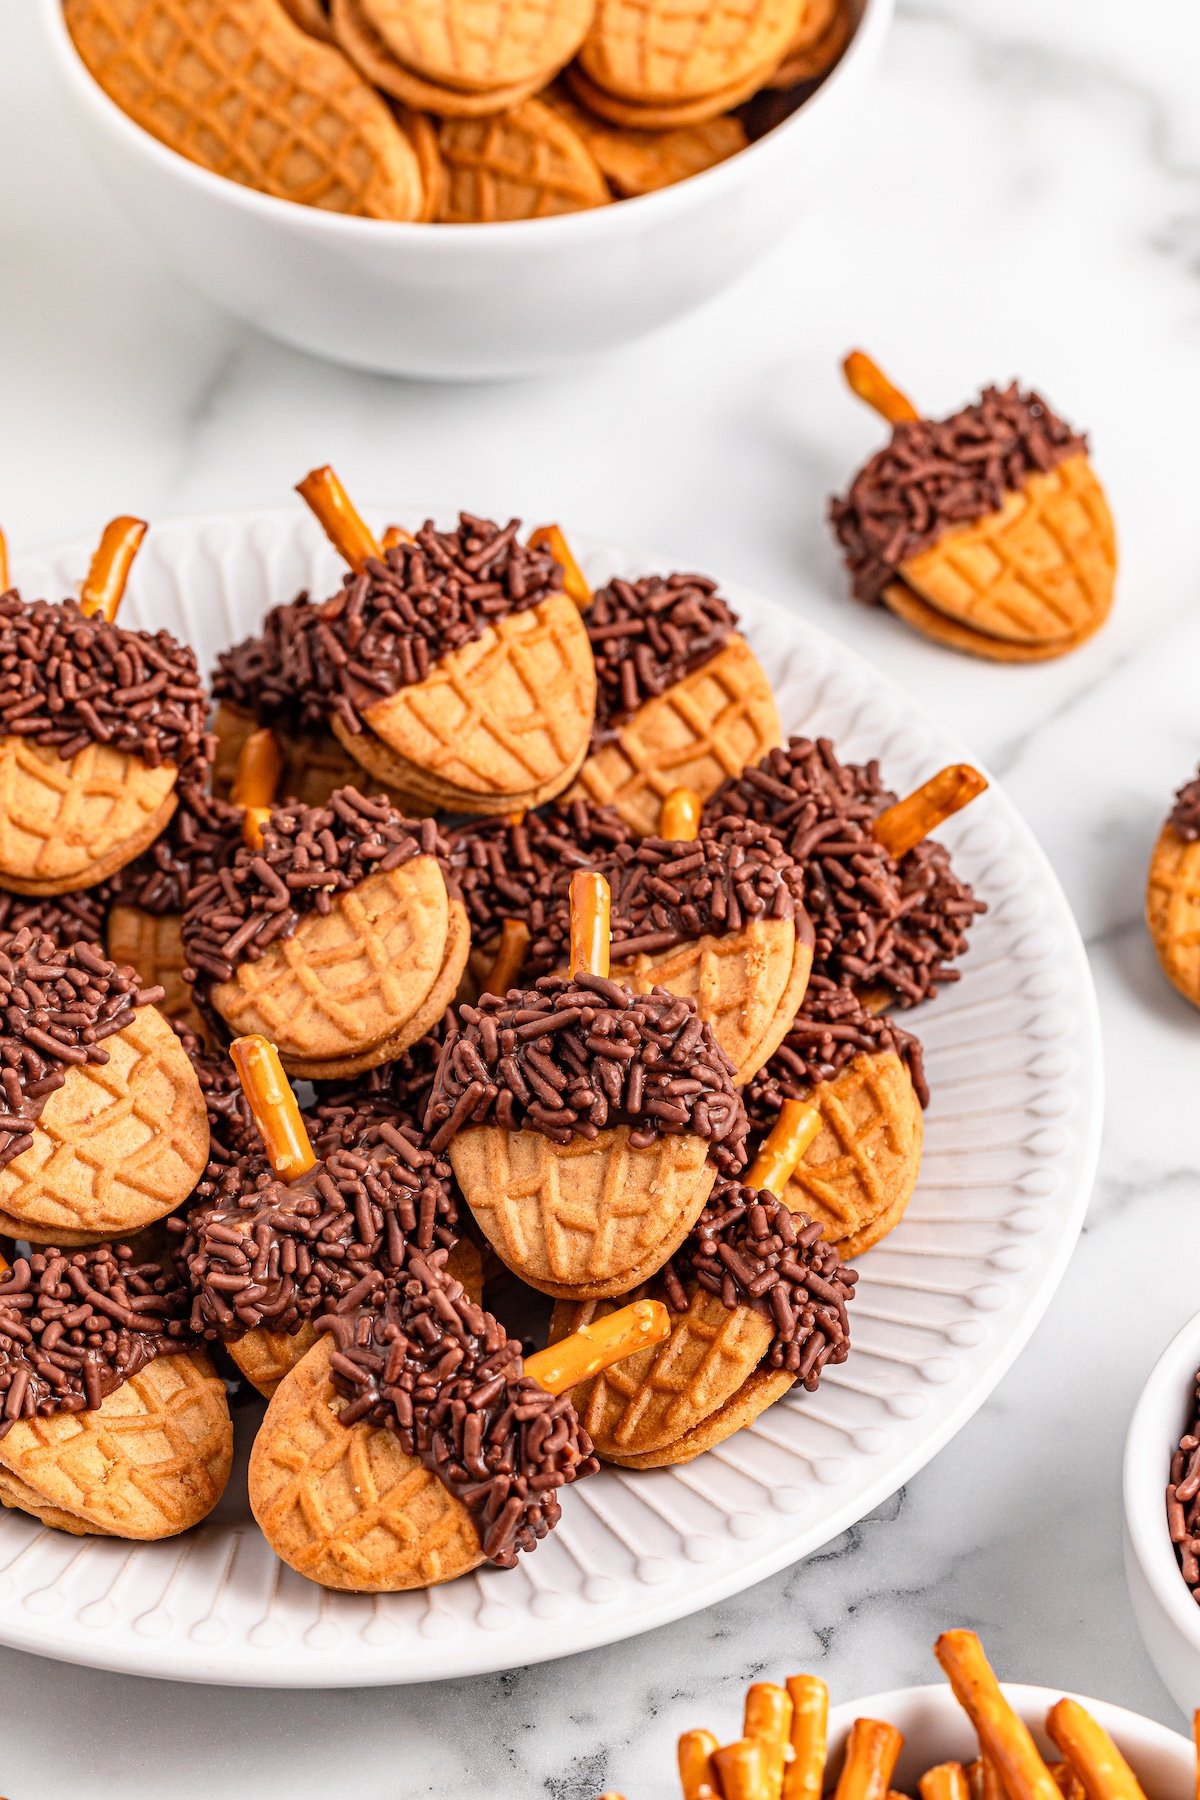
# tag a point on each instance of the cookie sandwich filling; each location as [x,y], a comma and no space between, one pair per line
[647,635]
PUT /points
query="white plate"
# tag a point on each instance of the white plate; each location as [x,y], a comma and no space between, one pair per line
[943,1306]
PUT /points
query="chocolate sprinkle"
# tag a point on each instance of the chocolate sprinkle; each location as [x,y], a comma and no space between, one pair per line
[309,855]
[273,1254]
[67,681]
[934,474]
[76,1324]
[516,870]
[571,1058]
[444,1375]
[58,1002]
[749,1249]
[831,1029]
[233,1135]
[646,635]
[271,675]
[398,1091]
[68,918]
[203,835]
[1183,1497]
[1185,814]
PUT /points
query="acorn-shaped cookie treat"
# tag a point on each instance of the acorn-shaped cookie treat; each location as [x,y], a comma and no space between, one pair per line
[864,1080]
[278,1239]
[104,1127]
[98,727]
[988,530]
[413,1444]
[113,1422]
[336,937]
[681,698]
[585,1124]
[455,668]
[713,914]
[757,1303]
[889,914]
[1173,893]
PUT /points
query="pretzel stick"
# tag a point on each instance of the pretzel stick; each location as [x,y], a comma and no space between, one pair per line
[947,1781]
[394,536]
[514,948]
[273,1105]
[550,537]
[1069,1784]
[868,381]
[259,766]
[697,1777]
[104,584]
[990,1785]
[1091,1753]
[1003,1737]
[741,1770]
[974,1774]
[872,1750]
[768,1719]
[679,816]
[598,1346]
[804,1776]
[4,577]
[338,519]
[903,826]
[591,907]
[780,1152]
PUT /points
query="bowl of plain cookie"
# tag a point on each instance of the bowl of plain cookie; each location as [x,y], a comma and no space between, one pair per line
[421,198]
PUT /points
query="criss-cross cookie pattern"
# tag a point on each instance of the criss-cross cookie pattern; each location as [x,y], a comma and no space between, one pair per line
[704,728]
[1039,569]
[344,979]
[510,711]
[153,945]
[347,1506]
[525,164]
[1173,910]
[581,1213]
[482,44]
[665,50]
[265,1357]
[60,818]
[866,1150]
[235,86]
[117,1146]
[150,1461]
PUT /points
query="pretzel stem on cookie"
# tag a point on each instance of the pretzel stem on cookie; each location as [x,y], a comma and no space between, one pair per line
[946,1781]
[510,957]
[679,817]
[866,379]
[900,828]
[768,1719]
[742,1771]
[550,537]
[781,1150]
[1003,1737]
[591,911]
[273,1105]
[872,1750]
[104,584]
[804,1776]
[697,1777]
[1091,1753]
[338,518]
[596,1347]
[259,767]
[394,536]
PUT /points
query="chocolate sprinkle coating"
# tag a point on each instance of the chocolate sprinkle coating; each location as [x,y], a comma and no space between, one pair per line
[1183,1497]
[268,1253]
[67,681]
[878,923]
[934,474]
[1185,814]
[664,894]
[749,1249]
[646,635]
[574,1057]
[57,1002]
[444,1375]
[203,835]
[510,870]
[309,855]
[68,918]
[271,674]
[76,1324]
[831,1029]
[397,1090]
[233,1135]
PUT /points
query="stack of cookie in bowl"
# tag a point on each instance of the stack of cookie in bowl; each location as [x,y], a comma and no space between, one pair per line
[541,1067]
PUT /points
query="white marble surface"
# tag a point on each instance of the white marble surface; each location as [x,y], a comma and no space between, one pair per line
[1024,197]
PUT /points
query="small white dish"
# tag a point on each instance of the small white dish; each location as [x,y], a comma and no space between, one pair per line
[937,1730]
[469,302]
[1167,1616]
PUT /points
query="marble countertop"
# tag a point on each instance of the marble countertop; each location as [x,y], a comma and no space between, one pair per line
[1023,197]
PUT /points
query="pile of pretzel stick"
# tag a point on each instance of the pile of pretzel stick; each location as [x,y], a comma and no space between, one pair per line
[781,1754]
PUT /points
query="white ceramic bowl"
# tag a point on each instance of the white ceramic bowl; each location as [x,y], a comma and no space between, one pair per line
[469,301]
[936,1729]
[1167,1616]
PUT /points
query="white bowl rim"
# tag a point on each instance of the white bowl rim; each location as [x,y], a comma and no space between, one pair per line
[868,35]
[1144,1492]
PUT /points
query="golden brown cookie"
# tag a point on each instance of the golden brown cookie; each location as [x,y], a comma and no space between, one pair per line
[478,46]
[153,945]
[905,604]
[664,52]
[824,33]
[641,162]
[367,50]
[311,16]
[756,1394]
[663,115]
[1173,910]
[69,823]
[529,163]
